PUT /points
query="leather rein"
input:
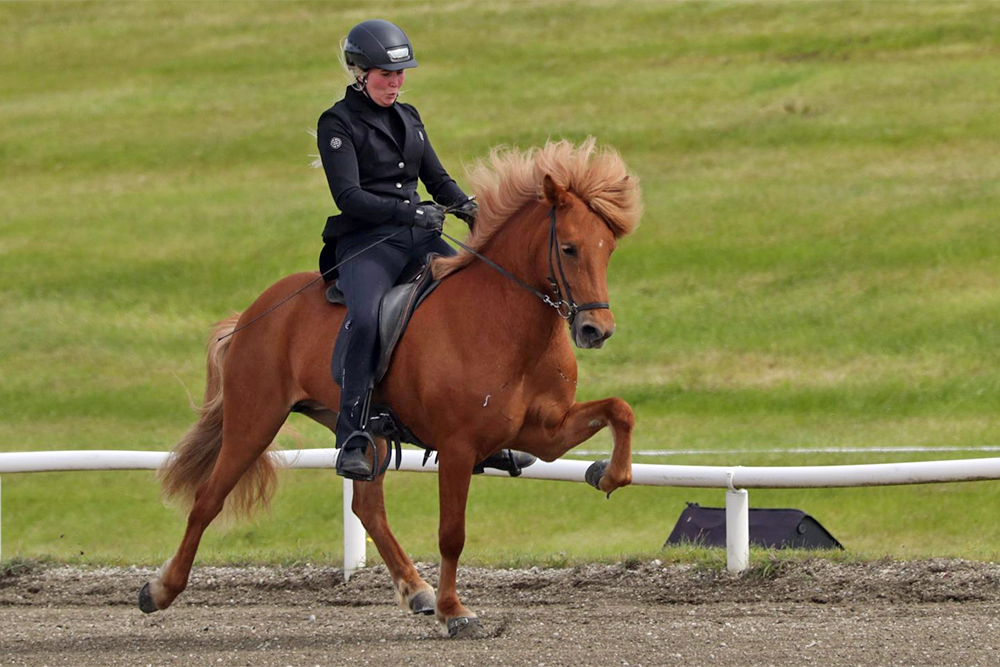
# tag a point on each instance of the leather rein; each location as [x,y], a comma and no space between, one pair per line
[564,304]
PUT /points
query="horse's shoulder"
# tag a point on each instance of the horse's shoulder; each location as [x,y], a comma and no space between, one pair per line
[552,381]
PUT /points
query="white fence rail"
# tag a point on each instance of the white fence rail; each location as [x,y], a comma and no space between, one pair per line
[734,479]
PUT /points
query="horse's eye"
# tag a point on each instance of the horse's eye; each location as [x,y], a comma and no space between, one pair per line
[569,249]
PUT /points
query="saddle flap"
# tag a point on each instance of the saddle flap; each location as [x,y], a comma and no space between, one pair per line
[395,310]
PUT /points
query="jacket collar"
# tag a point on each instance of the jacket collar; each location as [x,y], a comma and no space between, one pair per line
[358,101]
[376,116]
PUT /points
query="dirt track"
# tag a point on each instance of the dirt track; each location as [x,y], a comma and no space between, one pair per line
[925,613]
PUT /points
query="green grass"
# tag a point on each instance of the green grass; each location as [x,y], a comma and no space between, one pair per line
[817,265]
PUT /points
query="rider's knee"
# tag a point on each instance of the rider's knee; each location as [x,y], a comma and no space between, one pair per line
[364,326]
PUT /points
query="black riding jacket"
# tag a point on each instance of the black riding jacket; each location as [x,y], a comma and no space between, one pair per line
[373,179]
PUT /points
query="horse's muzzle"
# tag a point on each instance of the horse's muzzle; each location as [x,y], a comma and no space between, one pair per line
[588,333]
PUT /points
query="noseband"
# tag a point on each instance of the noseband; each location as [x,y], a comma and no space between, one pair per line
[564,304]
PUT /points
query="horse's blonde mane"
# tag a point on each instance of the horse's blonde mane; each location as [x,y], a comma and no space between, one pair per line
[511,178]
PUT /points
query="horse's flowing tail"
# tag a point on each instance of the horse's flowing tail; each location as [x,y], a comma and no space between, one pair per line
[193,458]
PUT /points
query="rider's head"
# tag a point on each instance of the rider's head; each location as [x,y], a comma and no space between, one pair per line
[376,45]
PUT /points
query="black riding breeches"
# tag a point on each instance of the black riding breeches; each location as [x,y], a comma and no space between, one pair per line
[364,280]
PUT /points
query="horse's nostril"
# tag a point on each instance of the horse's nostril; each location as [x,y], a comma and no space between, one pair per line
[590,332]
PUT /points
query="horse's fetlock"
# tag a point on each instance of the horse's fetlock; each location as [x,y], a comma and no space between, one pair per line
[450,608]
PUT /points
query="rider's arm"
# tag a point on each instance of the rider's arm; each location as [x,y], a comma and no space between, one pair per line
[341,167]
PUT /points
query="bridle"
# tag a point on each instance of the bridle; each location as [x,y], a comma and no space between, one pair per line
[563,303]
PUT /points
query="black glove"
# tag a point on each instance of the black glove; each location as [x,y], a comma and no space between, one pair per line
[467,212]
[429,216]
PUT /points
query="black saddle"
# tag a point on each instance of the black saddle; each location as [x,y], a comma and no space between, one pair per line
[414,285]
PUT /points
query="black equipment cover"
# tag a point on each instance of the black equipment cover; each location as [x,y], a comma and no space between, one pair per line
[769,528]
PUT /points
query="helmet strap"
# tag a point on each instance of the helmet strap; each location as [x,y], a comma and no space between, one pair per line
[361,84]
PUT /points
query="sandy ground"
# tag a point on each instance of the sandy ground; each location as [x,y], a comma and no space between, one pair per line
[885,613]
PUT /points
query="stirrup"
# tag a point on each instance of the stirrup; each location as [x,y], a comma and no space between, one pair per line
[353,469]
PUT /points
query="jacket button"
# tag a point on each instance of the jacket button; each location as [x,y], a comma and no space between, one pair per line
[399,185]
[402,164]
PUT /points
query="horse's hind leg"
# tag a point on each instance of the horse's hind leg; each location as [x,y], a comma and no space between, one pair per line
[247,431]
[412,592]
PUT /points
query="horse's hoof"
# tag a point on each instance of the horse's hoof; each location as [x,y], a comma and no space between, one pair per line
[465,627]
[146,603]
[423,603]
[595,472]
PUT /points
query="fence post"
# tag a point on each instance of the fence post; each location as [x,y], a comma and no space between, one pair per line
[737,527]
[354,535]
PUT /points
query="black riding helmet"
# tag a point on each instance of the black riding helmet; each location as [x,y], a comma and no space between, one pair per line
[380,44]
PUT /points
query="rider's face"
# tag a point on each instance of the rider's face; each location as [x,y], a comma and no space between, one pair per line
[383,85]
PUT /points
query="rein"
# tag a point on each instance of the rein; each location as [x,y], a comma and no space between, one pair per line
[565,306]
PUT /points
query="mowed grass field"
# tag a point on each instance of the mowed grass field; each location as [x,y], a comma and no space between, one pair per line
[818,266]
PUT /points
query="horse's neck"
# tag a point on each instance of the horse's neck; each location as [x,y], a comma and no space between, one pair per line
[494,303]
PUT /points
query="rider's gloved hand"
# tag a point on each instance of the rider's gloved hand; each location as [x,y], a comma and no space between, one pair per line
[429,216]
[467,212]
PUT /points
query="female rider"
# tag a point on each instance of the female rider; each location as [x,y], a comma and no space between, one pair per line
[373,149]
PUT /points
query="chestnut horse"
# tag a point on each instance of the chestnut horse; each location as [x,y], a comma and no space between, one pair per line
[485,364]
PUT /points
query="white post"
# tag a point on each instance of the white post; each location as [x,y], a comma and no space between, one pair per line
[737,529]
[354,535]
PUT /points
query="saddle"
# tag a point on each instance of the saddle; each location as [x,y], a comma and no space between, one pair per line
[414,284]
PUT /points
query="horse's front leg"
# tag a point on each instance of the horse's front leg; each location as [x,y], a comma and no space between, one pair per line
[454,475]
[558,431]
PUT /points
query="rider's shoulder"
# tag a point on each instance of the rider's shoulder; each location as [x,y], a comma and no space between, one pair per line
[338,112]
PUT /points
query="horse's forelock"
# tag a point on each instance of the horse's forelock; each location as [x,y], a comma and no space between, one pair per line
[509,178]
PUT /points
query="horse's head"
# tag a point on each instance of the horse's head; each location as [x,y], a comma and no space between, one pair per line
[596,201]
[578,265]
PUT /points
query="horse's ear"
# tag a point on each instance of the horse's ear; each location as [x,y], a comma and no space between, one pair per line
[554,194]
